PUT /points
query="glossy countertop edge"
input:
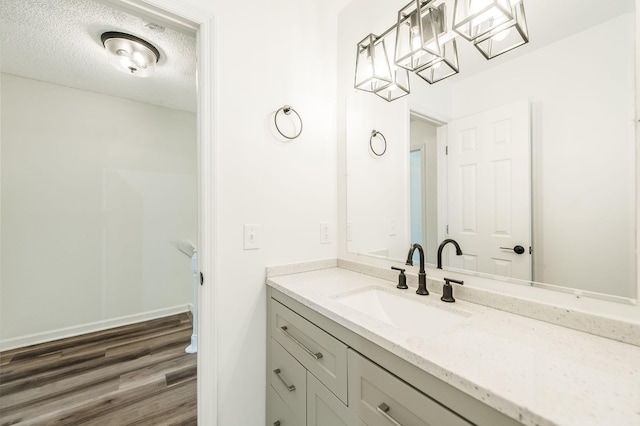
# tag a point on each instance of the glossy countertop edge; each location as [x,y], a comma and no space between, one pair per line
[534,372]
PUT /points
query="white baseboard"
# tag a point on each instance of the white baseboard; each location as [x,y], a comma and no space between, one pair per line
[62,333]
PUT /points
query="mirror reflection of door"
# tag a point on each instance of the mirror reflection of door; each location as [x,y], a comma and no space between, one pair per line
[417,197]
[423,172]
[489,191]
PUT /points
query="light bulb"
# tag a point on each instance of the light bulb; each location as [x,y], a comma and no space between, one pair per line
[416,40]
[139,59]
[501,35]
[368,69]
[476,6]
[130,54]
[415,43]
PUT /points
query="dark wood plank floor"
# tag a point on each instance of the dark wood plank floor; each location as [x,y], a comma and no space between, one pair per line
[133,375]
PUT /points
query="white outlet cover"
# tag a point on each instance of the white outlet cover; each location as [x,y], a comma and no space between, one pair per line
[325,232]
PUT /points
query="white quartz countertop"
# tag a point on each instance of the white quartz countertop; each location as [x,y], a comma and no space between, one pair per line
[535,372]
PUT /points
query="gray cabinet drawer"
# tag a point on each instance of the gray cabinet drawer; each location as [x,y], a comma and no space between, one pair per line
[381,399]
[289,379]
[325,409]
[279,413]
[319,352]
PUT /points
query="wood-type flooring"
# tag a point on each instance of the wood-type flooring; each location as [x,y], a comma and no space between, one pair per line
[133,375]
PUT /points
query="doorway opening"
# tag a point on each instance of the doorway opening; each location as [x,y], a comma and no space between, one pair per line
[117,180]
[427,199]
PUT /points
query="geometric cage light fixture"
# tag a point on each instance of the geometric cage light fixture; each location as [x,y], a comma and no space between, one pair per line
[422,41]
[130,54]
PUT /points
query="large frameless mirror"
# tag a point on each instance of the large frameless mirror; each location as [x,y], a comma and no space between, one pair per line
[527,160]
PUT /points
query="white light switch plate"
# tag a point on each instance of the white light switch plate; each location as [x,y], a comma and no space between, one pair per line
[251,236]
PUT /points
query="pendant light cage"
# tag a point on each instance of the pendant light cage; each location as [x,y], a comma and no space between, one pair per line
[398,88]
[475,18]
[417,36]
[511,34]
[425,44]
[372,64]
[446,66]
[399,85]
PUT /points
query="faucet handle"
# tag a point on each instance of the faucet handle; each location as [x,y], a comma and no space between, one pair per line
[447,290]
[402,278]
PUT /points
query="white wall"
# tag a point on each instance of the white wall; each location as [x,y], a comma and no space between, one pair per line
[96,190]
[380,228]
[583,148]
[267,54]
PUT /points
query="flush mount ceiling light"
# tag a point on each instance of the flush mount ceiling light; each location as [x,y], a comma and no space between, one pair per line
[130,54]
[426,45]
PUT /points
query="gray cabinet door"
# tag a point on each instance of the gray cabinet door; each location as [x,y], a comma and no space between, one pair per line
[325,409]
[319,352]
[381,399]
[289,379]
[279,413]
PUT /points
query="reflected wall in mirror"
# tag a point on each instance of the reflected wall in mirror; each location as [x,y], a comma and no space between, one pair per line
[570,188]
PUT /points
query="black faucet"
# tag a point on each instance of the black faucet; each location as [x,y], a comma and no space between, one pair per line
[444,243]
[422,275]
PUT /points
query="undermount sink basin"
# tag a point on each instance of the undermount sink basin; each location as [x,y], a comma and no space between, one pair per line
[404,313]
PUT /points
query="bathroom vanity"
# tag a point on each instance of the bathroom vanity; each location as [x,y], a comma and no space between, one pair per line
[346,348]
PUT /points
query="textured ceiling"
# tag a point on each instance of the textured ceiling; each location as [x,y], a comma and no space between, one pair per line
[59,41]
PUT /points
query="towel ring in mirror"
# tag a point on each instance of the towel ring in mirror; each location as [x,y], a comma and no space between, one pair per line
[380,148]
[287,110]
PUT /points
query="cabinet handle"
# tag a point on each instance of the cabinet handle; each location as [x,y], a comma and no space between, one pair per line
[276,423]
[289,387]
[315,355]
[382,409]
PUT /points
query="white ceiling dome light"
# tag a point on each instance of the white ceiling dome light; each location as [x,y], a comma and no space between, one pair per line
[130,54]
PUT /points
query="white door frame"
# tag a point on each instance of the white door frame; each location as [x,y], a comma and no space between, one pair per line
[203,23]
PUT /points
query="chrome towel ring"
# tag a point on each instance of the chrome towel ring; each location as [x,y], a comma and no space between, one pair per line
[379,150]
[287,110]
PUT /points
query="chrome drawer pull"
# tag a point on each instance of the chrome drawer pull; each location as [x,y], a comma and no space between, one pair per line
[307,350]
[382,409]
[289,387]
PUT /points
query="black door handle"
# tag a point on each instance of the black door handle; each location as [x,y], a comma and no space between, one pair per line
[516,249]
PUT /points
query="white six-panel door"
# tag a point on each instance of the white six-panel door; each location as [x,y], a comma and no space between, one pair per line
[489,190]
